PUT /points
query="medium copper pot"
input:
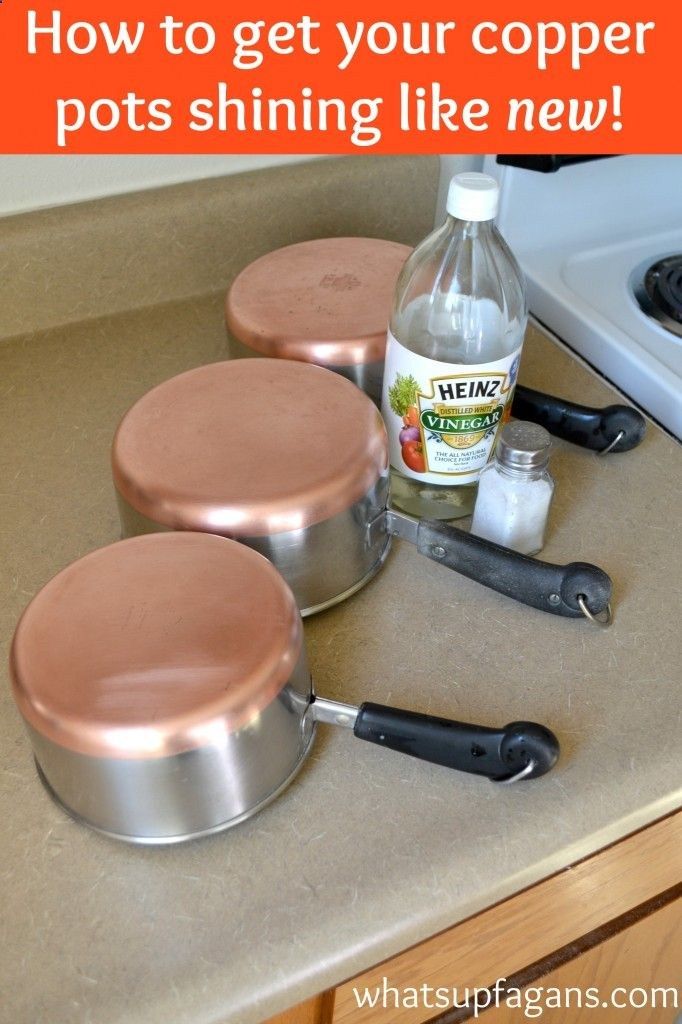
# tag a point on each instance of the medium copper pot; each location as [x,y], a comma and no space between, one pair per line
[292,460]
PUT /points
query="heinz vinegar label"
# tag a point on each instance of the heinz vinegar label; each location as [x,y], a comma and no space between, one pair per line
[442,419]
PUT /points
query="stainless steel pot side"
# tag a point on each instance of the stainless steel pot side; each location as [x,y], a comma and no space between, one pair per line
[164,685]
[292,460]
[326,301]
[368,376]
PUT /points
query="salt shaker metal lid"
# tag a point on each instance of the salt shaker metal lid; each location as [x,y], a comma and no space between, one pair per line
[522,445]
[326,301]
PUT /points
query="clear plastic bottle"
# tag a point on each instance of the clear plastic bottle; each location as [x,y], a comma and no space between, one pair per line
[452,356]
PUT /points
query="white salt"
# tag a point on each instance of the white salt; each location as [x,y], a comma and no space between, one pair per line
[512,509]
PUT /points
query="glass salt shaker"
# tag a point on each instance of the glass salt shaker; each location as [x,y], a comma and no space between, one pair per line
[515,490]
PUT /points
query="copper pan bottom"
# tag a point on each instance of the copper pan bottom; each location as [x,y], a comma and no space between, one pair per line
[324,301]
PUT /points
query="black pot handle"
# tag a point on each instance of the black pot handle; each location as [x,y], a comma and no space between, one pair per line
[520,750]
[559,589]
[616,428]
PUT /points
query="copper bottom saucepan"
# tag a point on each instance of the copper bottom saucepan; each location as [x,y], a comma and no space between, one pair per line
[164,684]
[327,301]
[292,460]
[324,301]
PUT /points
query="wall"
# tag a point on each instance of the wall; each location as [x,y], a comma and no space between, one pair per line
[33,182]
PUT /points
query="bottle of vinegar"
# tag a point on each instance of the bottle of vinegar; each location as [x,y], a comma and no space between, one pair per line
[453,353]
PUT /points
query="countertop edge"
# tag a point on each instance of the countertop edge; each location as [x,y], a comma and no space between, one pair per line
[309,984]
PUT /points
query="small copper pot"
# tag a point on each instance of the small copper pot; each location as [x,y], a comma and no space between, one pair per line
[292,460]
[164,685]
[326,301]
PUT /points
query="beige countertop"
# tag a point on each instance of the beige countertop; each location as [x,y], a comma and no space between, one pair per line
[366,852]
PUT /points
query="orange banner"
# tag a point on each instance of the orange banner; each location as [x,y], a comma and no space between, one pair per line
[268,77]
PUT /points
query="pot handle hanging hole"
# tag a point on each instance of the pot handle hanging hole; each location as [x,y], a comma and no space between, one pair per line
[603,619]
[610,447]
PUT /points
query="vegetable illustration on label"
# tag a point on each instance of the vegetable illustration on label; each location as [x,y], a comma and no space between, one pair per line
[402,396]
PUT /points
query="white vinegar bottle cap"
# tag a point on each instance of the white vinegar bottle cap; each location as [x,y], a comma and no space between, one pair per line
[473,196]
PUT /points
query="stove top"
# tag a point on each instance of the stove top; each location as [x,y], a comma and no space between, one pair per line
[657,287]
[601,246]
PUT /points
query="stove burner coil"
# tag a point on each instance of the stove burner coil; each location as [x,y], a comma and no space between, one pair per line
[657,287]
